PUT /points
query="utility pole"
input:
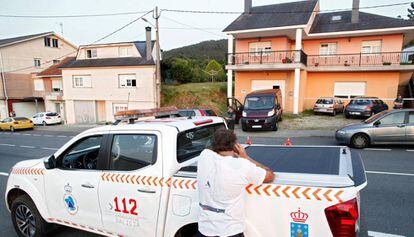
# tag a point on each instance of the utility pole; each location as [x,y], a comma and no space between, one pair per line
[158,59]
[3,79]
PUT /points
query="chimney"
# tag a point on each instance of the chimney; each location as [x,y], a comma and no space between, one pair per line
[148,43]
[355,11]
[247,6]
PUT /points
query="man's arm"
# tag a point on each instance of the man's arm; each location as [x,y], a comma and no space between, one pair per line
[270,176]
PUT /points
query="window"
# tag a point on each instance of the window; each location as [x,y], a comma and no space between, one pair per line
[127,80]
[36,62]
[47,41]
[80,81]
[55,43]
[83,155]
[132,152]
[411,117]
[124,52]
[192,142]
[394,118]
[91,53]
[57,85]
[373,46]
[120,107]
[258,47]
[328,49]
[56,61]
[38,85]
[349,90]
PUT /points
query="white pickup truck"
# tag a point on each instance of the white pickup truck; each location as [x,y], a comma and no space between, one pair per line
[140,180]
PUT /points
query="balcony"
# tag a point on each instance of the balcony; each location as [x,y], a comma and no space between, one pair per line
[267,60]
[362,61]
[55,95]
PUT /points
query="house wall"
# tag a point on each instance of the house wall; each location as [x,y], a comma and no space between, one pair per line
[110,51]
[278,43]
[105,87]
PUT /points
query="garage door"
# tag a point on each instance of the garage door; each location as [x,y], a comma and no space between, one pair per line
[269,84]
[27,109]
[349,89]
[85,111]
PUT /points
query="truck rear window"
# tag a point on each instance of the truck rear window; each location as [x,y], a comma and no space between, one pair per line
[192,142]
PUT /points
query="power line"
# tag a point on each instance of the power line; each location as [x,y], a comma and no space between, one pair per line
[192,27]
[72,16]
[281,12]
[94,42]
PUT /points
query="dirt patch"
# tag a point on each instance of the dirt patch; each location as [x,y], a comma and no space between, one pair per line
[315,122]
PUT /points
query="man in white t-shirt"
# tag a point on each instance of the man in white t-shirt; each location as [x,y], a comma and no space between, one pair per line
[223,173]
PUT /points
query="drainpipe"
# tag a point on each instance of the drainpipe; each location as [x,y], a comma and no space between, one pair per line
[3,79]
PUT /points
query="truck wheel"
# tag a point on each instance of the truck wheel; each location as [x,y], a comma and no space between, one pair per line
[26,218]
[244,127]
[359,141]
[347,116]
[275,126]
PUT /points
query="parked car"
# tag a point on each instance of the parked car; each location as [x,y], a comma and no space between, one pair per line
[386,127]
[262,110]
[47,118]
[15,123]
[196,112]
[364,106]
[330,105]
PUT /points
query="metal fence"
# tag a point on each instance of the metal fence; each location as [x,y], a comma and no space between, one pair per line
[267,57]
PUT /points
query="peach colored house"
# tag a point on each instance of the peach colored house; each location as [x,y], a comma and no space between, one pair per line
[310,54]
[106,78]
[20,59]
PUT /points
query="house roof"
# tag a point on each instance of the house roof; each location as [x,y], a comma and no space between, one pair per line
[109,62]
[142,47]
[276,15]
[19,39]
[323,22]
[55,69]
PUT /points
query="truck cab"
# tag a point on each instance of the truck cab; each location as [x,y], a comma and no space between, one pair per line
[139,179]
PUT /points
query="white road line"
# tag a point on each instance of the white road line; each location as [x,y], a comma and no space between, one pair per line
[4,174]
[388,173]
[61,136]
[377,149]
[379,234]
[410,150]
[27,134]
[48,148]
[48,135]
[27,146]
[37,135]
[7,144]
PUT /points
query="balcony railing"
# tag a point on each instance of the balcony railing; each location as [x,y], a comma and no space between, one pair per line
[267,57]
[362,59]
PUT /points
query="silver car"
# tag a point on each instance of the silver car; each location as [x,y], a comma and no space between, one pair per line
[386,127]
[330,105]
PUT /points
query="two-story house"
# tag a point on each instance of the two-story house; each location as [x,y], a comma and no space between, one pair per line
[310,54]
[106,78]
[20,59]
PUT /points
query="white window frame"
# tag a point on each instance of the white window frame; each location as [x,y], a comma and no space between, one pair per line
[37,62]
[264,47]
[78,81]
[126,80]
[57,84]
[116,107]
[94,53]
[331,49]
[371,46]
[125,51]
[38,85]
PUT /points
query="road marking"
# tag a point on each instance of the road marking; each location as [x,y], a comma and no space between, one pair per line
[410,150]
[388,173]
[61,136]
[4,174]
[48,135]
[379,234]
[7,144]
[27,146]
[37,135]
[48,148]
[27,134]
[377,149]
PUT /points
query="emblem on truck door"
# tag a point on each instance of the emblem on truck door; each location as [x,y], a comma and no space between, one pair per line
[70,201]
[298,228]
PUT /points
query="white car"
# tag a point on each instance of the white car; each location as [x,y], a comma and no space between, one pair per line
[140,180]
[46,118]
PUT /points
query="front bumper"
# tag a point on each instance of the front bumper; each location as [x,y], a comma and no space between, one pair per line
[259,123]
[343,137]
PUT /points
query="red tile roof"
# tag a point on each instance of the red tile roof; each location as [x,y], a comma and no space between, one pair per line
[55,69]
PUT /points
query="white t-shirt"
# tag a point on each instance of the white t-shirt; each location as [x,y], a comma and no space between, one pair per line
[221,189]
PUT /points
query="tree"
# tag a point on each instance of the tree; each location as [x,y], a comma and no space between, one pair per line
[181,70]
[214,71]
[411,12]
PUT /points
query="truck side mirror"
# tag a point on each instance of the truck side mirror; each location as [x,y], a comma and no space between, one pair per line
[50,162]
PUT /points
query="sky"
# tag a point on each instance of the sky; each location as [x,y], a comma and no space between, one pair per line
[175,28]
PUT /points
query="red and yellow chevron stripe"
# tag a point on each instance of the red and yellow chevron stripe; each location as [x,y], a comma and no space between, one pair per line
[28,171]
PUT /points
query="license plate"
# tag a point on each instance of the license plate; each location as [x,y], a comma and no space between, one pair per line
[355,113]
[257,126]
[323,110]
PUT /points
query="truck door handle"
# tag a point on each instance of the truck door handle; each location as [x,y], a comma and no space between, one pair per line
[87,186]
[146,190]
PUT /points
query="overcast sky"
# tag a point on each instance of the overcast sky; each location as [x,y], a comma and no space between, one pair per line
[86,30]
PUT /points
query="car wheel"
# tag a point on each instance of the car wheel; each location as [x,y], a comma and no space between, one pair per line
[360,141]
[275,126]
[347,116]
[44,123]
[26,219]
[12,129]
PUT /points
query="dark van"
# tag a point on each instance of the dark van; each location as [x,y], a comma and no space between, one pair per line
[262,110]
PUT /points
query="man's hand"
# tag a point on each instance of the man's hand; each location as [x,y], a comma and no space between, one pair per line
[241,152]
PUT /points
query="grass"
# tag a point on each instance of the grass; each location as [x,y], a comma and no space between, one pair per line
[196,95]
[305,113]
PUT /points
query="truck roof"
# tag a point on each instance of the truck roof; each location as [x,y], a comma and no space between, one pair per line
[180,123]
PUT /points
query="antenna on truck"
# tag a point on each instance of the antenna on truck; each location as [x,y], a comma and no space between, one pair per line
[130,116]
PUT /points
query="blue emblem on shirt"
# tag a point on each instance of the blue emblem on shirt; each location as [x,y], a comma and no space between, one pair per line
[299,230]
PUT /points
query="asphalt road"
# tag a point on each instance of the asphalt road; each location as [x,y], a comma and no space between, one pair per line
[387,202]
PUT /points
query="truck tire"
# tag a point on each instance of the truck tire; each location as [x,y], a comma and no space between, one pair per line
[275,126]
[360,141]
[26,219]
[244,127]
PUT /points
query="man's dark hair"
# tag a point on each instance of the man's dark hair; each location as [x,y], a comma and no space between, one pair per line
[223,140]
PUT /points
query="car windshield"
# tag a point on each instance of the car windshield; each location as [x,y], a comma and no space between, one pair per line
[259,102]
[325,101]
[20,119]
[51,114]
[360,102]
[375,117]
